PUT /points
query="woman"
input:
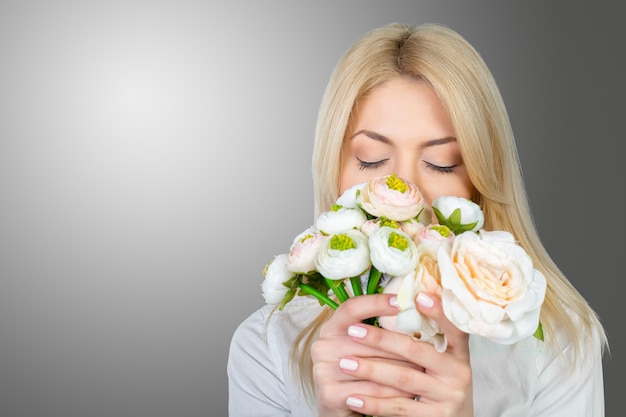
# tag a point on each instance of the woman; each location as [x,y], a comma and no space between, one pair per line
[418,102]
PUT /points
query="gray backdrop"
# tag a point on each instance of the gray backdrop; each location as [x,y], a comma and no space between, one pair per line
[155,155]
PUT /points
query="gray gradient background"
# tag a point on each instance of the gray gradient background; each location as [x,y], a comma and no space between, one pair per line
[155,155]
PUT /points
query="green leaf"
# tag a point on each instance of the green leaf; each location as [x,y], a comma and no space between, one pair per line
[288,297]
[440,216]
[455,218]
[464,228]
[539,332]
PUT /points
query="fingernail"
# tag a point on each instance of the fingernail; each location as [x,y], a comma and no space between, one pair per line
[357,331]
[393,301]
[424,300]
[354,402]
[348,364]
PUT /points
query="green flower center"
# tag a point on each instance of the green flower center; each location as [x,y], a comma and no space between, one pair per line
[306,237]
[342,242]
[336,207]
[395,183]
[396,240]
[383,221]
[441,229]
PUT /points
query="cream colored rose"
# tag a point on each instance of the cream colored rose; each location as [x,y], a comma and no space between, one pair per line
[490,287]
[391,197]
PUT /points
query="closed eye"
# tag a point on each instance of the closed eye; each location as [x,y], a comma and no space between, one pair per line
[441,169]
[370,165]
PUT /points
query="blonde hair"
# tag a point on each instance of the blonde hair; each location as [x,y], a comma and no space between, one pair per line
[442,58]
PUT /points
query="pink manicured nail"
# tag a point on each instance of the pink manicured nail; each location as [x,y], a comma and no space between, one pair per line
[357,331]
[354,402]
[348,364]
[393,301]
[423,299]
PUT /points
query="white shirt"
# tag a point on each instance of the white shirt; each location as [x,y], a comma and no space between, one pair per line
[523,379]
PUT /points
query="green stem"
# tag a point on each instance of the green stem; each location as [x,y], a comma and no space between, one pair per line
[338,288]
[356,286]
[372,281]
[307,289]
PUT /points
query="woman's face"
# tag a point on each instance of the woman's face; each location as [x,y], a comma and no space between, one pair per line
[402,128]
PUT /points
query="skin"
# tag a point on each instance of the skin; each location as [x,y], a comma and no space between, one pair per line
[401,128]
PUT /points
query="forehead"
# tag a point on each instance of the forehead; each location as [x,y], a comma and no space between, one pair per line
[403,107]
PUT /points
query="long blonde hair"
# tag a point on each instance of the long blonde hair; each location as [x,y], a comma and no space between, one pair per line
[459,76]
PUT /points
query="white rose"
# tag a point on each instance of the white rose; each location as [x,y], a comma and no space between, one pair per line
[304,249]
[392,251]
[459,214]
[343,255]
[340,219]
[490,287]
[276,273]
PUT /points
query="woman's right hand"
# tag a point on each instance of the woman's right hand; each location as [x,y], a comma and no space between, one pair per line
[335,343]
[357,367]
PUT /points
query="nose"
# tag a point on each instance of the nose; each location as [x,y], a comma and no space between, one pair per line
[406,168]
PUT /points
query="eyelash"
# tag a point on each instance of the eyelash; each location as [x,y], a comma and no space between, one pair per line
[363,165]
[439,169]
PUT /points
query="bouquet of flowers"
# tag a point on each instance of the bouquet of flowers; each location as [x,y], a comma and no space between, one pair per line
[379,237]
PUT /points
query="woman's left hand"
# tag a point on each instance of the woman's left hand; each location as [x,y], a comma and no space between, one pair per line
[444,388]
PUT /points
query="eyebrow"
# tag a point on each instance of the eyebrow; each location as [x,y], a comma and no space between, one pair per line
[386,140]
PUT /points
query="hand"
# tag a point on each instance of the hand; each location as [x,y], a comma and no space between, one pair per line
[379,372]
[336,346]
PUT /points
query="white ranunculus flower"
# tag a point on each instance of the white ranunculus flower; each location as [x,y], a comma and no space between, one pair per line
[369,226]
[434,236]
[304,249]
[490,287]
[412,227]
[391,197]
[339,219]
[349,198]
[275,274]
[459,214]
[343,255]
[392,251]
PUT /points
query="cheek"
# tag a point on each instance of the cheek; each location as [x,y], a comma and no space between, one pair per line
[433,190]
[346,178]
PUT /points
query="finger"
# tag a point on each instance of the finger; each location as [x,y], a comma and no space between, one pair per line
[405,378]
[446,365]
[397,406]
[358,309]
[333,395]
[431,306]
[330,348]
